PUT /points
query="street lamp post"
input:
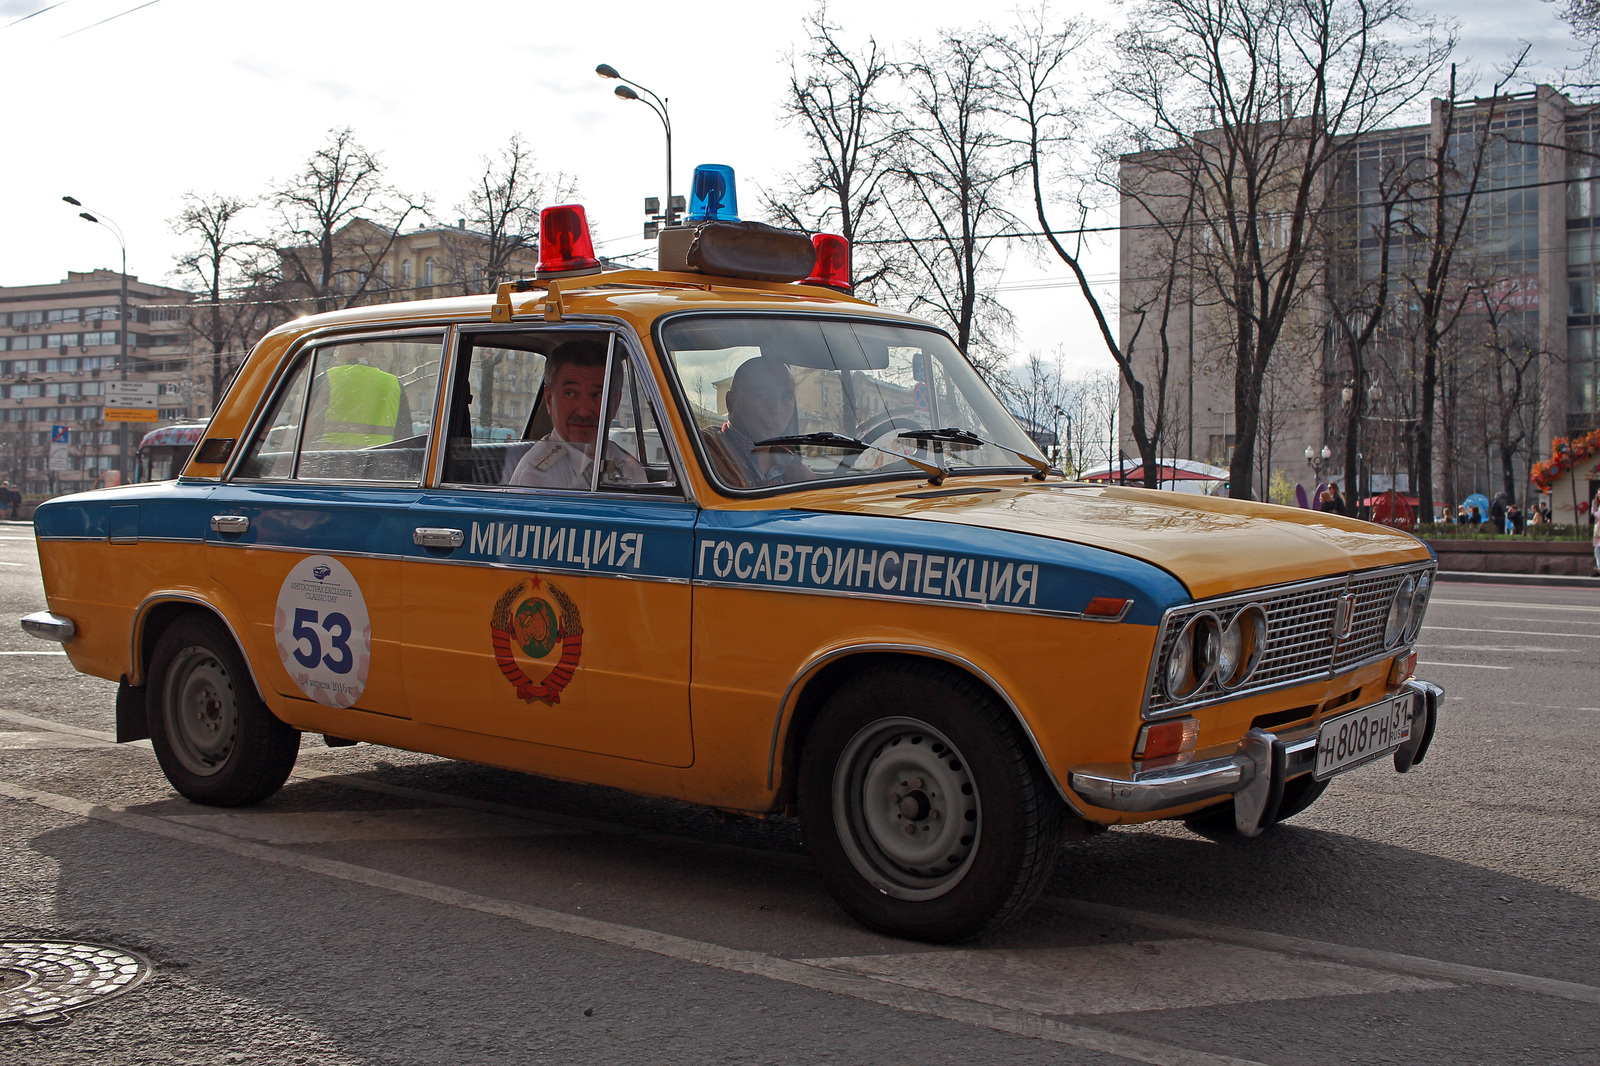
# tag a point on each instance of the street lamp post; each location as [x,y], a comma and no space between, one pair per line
[122,317]
[1316,458]
[656,104]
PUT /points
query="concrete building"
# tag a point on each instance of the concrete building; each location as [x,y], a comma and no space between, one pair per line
[59,347]
[374,265]
[1520,365]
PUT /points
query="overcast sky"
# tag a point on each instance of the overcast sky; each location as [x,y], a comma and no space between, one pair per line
[224,96]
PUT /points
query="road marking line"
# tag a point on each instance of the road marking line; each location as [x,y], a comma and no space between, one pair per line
[1515,703]
[32,653]
[1119,978]
[734,960]
[1513,606]
[328,827]
[12,564]
[1497,647]
[1517,632]
[56,727]
[1465,666]
[1570,621]
[1413,964]
[36,740]
[1378,960]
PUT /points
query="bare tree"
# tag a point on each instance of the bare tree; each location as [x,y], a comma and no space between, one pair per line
[838,100]
[951,171]
[337,220]
[1454,179]
[1037,394]
[222,258]
[501,217]
[1031,67]
[1371,186]
[1258,99]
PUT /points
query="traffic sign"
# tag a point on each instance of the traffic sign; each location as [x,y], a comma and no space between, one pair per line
[130,414]
[60,435]
[123,394]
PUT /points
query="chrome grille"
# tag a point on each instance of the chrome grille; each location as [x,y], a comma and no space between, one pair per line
[1301,644]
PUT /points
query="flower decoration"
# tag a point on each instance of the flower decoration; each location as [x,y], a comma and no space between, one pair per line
[1564,455]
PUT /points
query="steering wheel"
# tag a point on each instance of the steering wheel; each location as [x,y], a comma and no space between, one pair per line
[884,433]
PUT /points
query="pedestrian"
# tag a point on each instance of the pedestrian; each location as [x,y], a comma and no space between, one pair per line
[1461,515]
[1594,524]
[1476,517]
[12,499]
[1514,518]
[1331,500]
[1497,513]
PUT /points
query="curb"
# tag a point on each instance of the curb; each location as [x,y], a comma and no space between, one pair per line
[1474,577]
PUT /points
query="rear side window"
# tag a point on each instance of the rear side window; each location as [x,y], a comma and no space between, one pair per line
[351,411]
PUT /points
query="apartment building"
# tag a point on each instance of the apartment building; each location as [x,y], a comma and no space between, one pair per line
[59,345]
[1521,362]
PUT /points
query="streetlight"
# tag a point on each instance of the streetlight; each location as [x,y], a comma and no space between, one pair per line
[656,104]
[109,223]
[1316,459]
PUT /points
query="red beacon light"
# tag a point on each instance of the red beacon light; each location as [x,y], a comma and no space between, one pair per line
[565,249]
[833,262]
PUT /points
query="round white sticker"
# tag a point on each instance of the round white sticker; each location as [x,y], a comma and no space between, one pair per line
[323,632]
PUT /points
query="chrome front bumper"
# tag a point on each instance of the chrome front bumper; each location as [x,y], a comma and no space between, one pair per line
[1253,772]
[47,626]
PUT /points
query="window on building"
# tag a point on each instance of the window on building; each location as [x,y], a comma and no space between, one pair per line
[405,272]
[427,271]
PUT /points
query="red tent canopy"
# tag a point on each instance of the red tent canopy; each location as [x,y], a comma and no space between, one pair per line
[1136,474]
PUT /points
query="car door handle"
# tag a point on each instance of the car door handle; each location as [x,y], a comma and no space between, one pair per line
[435,537]
[230,523]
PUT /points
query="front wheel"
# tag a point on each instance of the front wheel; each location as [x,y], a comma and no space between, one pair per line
[214,737]
[925,810]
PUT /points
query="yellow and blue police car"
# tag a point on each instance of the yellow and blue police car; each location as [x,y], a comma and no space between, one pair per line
[722,532]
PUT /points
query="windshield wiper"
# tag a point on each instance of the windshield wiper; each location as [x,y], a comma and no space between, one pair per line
[826,439]
[955,435]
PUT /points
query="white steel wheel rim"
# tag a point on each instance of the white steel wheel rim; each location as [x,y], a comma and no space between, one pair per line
[201,711]
[906,808]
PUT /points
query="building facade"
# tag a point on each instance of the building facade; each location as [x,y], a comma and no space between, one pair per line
[60,345]
[1518,363]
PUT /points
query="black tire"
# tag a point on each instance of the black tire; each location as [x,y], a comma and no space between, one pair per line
[215,739]
[937,750]
[1298,794]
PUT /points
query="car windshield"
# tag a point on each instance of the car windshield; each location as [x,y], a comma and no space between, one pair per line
[751,379]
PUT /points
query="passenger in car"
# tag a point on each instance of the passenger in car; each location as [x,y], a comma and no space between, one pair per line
[760,405]
[574,388]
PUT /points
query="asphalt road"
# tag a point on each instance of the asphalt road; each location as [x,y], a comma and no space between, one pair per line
[394,908]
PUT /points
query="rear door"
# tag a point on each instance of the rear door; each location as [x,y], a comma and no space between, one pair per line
[308,534]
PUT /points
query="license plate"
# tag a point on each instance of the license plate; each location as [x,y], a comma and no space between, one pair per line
[1361,735]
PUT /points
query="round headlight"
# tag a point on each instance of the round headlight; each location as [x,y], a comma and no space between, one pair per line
[1399,611]
[1419,606]
[1194,656]
[1241,645]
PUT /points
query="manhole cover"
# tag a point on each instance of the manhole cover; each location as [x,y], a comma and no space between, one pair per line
[42,979]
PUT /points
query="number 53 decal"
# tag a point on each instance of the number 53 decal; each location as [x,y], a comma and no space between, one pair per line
[337,627]
[323,631]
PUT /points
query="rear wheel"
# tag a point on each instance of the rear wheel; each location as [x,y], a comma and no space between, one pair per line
[925,810]
[214,737]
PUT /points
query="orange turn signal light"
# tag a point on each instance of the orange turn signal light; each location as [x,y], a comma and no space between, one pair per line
[1404,666]
[1105,607]
[1157,740]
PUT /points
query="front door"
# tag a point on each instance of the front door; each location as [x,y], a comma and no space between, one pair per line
[547,591]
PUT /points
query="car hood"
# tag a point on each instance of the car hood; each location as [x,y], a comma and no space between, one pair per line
[1214,546]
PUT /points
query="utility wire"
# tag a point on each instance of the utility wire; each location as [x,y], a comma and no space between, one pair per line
[103,21]
[35,14]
